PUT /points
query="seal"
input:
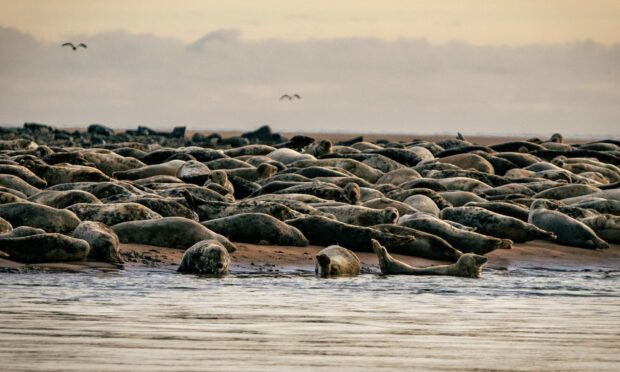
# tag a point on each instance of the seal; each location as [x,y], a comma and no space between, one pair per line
[349,194]
[507,209]
[336,261]
[65,173]
[463,240]
[382,203]
[63,199]
[112,214]
[325,232]
[208,210]
[352,166]
[469,161]
[5,226]
[174,232]
[460,198]
[468,265]
[422,203]
[398,176]
[220,178]
[227,163]
[52,247]
[169,168]
[495,224]
[362,216]
[606,226]
[102,240]
[264,170]
[15,183]
[23,173]
[566,191]
[41,216]
[427,245]
[205,257]
[569,231]
[287,156]
[166,207]
[109,162]
[257,228]
[194,172]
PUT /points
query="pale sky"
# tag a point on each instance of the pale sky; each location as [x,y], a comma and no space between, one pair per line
[494,67]
[473,21]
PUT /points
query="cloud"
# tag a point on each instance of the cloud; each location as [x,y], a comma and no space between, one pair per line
[217,36]
[222,81]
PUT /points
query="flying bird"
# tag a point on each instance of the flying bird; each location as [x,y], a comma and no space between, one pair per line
[74,47]
[286,96]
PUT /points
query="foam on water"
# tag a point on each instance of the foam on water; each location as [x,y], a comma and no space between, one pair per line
[158,320]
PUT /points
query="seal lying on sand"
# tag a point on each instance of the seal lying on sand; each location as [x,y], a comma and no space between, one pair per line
[495,224]
[465,241]
[175,232]
[336,261]
[102,240]
[569,231]
[468,265]
[112,214]
[361,216]
[41,216]
[51,247]
[324,231]
[205,257]
[257,228]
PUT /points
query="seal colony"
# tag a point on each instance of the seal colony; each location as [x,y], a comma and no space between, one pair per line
[75,196]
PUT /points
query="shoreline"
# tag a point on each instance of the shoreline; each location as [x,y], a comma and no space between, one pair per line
[272,259]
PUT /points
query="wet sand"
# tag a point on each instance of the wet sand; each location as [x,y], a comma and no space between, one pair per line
[271,259]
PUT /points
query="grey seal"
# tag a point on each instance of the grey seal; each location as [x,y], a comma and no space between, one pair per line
[336,261]
[205,257]
[495,224]
[112,214]
[102,240]
[468,265]
[257,228]
[40,216]
[569,231]
[52,247]
[173,232]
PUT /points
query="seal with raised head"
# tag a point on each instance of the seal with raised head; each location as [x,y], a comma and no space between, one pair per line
[468,265]
[257,228]
[205,257]
[173,232]
[336,261]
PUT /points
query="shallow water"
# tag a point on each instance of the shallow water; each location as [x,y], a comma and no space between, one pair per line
[149,321]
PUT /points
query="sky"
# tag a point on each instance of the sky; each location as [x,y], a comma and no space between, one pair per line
[419,67]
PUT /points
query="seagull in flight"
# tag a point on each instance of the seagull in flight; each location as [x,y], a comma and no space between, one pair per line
[286,96]
[74,47]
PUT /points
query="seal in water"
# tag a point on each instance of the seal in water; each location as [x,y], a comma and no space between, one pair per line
[205,257]
[468,265]
[336,261]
